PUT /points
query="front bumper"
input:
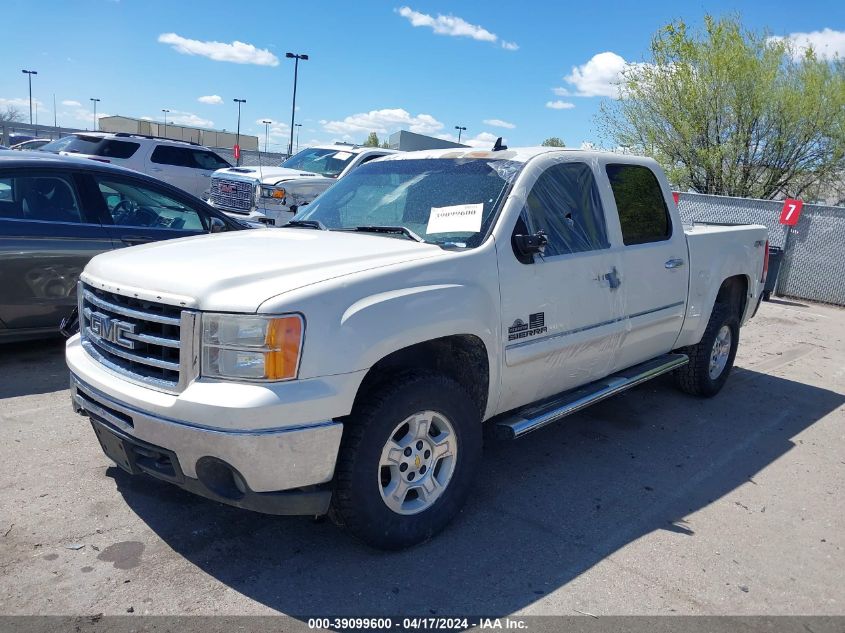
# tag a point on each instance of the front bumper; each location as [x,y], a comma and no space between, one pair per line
[270,216]
[235,468]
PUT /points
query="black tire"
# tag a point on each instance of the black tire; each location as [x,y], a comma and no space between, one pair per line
[694,378]
[767,295]
[357,503]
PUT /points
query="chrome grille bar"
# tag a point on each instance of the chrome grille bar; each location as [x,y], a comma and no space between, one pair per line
[145,342]
[137,314]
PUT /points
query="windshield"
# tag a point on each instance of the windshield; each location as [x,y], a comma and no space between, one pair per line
[326,162]
[445,201]
[78,144]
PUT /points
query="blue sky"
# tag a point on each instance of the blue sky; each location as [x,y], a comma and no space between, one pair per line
[427,66]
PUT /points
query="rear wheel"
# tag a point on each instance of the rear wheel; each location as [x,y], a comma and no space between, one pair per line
[712,358]
[407,460]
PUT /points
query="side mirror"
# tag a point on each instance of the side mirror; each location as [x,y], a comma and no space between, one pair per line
[528,245]
[217,225]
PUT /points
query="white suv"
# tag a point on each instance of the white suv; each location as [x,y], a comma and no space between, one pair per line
[183,164]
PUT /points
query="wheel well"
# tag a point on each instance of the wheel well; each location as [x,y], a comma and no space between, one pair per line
[734,292]
[462,357]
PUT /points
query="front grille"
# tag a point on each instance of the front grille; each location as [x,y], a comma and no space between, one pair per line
[233,195]
[137,338]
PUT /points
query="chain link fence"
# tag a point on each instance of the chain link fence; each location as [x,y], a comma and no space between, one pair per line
[813,266]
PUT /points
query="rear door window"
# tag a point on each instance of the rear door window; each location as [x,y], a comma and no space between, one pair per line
[172,155]
[117,149]
[46,198]
[642,209]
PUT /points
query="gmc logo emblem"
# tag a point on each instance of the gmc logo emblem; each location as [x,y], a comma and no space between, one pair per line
[108,329]
[226,188]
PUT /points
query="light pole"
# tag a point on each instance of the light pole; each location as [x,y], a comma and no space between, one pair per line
[460,129]
[266,134]
[238,135]
[296,57]
[297,126]
[96,123]
[165,120]
[30,73]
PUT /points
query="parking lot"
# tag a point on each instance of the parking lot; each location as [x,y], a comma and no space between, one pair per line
[650,503]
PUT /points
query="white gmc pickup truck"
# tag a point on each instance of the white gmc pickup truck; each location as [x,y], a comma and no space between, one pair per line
[272,195]
[344,364]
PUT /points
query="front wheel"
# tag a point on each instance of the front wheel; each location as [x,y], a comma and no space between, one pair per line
[407,461]
[711,360]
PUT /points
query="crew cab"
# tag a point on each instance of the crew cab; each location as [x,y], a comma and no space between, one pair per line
[347,361]
[272,195]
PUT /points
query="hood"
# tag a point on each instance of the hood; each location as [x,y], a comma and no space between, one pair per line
[265,175]
[240,270]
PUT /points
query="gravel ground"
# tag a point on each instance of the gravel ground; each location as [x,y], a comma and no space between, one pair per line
[650,503]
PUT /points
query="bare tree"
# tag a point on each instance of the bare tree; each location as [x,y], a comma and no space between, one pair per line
[10,115]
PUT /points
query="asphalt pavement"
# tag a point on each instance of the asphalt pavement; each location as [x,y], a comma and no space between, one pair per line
[652,502]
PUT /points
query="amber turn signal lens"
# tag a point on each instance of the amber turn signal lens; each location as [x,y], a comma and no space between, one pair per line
[284,340]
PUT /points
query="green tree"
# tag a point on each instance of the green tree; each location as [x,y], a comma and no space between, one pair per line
[733,112]
[372,140]
[553,141]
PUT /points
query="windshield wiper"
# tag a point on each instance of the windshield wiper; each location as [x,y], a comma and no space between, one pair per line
[307,224]
[399,230]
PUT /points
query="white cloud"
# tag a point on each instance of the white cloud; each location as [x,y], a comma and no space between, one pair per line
[236,52]
[147,118]
[177,117]
[498,123]
[20,103]
[562,92]
[80,117]
[826,43]
[484,140]
[382,122]
[453,26]
[71,103]
[559,105]
[599,77]
[211,99]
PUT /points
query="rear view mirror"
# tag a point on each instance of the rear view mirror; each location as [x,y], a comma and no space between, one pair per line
[217,225]
[531,244]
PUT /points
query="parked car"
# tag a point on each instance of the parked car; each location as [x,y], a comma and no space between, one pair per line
[182,164]
[272,195]
[56,213]
[348,359]
[32,144]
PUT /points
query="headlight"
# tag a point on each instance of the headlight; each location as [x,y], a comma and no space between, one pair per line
[251,347]
[273,192]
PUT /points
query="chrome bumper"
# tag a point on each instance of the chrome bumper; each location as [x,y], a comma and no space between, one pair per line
[263,462]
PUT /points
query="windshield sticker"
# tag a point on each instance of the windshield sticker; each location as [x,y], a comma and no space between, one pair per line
[459,218]
[342,156]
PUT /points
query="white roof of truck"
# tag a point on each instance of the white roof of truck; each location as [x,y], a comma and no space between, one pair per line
[517,154]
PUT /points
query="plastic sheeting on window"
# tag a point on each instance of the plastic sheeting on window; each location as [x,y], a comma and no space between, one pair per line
[564,202]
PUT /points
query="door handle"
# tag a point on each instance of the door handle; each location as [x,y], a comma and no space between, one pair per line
[155,168]
[674,263]
[613,279]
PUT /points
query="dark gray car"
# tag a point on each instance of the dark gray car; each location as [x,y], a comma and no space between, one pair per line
[56,213]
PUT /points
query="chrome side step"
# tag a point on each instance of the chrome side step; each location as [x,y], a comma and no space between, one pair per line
[538,415]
